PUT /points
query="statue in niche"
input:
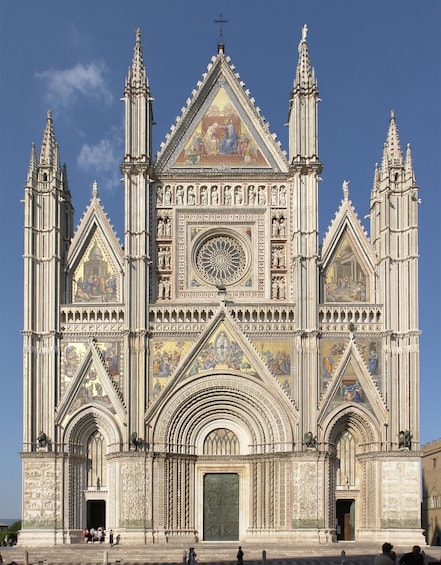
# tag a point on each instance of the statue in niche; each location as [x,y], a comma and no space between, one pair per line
[180,195]
[238,196]
[262,195]
[203,195]
[159,196]
[214,195]
[167,196]
[282,196]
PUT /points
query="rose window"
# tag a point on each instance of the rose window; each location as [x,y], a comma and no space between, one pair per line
[221,260]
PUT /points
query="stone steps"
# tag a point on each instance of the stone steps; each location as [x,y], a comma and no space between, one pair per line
[207,554]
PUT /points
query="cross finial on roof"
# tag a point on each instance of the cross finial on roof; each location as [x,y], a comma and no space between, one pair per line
[221,20]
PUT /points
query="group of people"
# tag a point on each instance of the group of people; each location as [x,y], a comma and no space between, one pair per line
[98,535]
[388,555]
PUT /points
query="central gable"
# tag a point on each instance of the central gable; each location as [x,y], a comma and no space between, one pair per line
[221,129]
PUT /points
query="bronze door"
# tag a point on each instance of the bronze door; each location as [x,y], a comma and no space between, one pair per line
[221,507]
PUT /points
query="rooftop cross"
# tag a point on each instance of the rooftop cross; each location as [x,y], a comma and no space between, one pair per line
[221,20]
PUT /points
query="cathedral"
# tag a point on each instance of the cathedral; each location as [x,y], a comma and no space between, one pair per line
[224,374]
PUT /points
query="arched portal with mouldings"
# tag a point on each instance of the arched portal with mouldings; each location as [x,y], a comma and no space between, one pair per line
[91,434]
[226,438]
[351,433]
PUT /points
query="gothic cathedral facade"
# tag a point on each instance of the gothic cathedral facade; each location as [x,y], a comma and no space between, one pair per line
[220,376]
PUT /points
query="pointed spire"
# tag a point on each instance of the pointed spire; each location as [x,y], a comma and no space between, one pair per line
[376,180]
[65,180]
[49,148]
[392,145]
[408,163]
[305,75]
[32,163]
[137,74]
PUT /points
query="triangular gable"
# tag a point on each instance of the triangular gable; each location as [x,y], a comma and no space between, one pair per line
[91,386]
[348,260]
[73,352]
[95,258]
[352,385]
[221,348]
[221,129]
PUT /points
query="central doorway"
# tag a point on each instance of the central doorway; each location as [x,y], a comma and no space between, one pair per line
[221,507]
[96,514]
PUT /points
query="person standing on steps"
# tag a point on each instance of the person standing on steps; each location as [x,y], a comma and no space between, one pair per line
[239,556]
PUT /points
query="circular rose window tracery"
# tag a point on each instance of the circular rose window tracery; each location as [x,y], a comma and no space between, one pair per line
[221,260]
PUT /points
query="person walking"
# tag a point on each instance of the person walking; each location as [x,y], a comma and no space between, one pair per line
[239,556]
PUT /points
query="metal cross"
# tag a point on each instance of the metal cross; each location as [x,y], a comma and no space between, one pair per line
[220,21]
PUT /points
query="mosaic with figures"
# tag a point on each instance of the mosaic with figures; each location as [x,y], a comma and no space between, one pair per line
[345,279]
[277,356]
[95,277]
[167,355]
[73,353]
[221,137]
[331,351]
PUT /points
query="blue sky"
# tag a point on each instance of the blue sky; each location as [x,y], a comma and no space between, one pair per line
[72,57]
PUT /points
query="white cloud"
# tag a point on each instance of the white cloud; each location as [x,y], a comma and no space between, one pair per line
[100,157]
[64,86]
[102,162]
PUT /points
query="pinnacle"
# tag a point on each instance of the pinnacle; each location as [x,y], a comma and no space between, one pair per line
[392,146]
[137,74]
[304,74]
[49,148]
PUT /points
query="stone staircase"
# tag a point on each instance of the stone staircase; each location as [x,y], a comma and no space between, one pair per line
[207,554]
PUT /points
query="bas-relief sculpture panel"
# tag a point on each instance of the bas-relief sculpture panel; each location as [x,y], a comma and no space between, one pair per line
[95,277]
[221,137]
[345,279]
[41,508]
[400,494]
[73,352]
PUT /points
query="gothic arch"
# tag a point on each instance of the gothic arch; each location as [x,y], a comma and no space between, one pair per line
[84,423]
[354,419]
[257,417]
